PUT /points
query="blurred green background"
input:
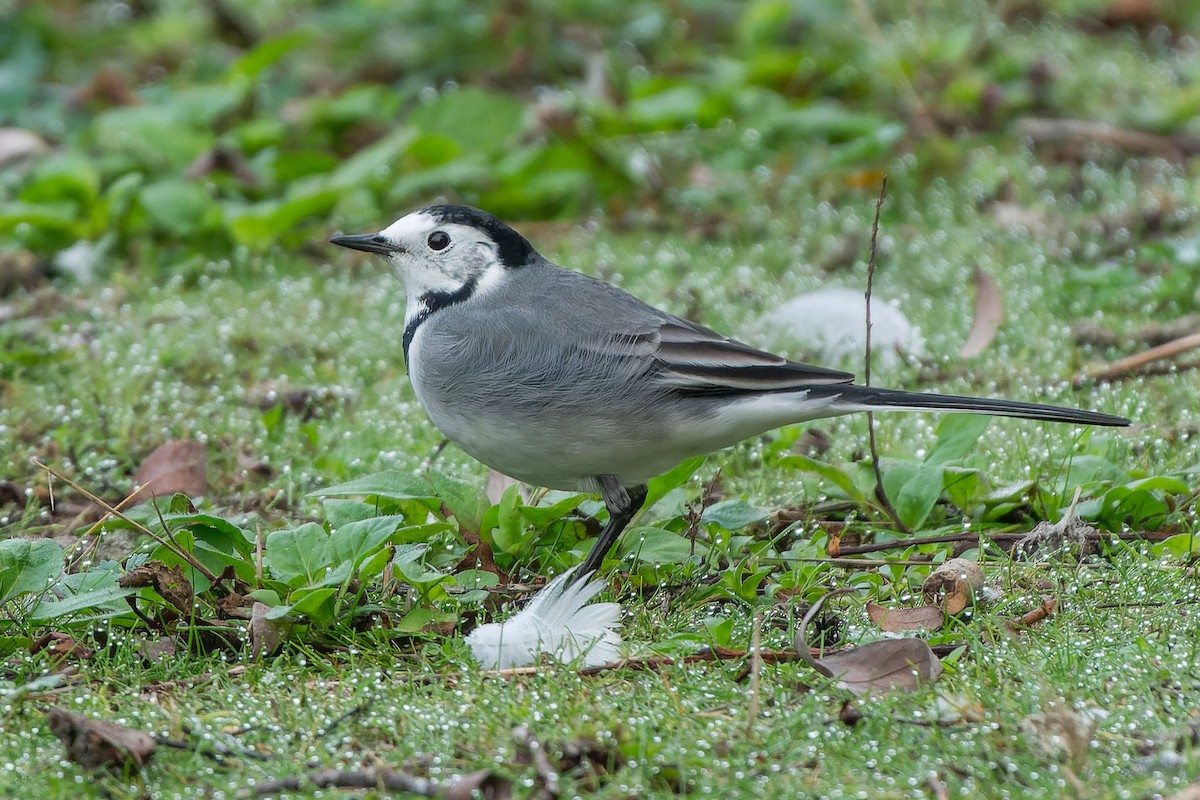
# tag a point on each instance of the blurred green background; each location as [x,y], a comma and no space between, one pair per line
[167,133]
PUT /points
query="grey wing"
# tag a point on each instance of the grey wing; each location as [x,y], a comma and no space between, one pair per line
[611,325]
[693,359]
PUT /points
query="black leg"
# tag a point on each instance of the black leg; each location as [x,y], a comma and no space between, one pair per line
[622,503]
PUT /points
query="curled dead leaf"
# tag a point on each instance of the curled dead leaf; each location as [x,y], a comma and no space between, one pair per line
[265,634]
[894,620]
[169,582]
[61,647]
[989,314]
[95,743]
[954,585]
[874,668]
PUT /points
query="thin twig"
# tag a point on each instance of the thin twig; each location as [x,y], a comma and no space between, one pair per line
[537,754]
[880,492]
[755,670]
[1133,365]
[1034,616]
[996,538]
[352,779]
[139,527]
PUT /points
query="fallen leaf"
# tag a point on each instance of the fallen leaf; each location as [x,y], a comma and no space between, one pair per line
[265,634]
[849,715]
[18,144]
[61,647]
[482,784]
[894,620]
[94,743]
[179,466]
[167,581]
[156,651]
[19,269]
[1062,734]
[954,585]
[877,667]
[989,314]
[480,557]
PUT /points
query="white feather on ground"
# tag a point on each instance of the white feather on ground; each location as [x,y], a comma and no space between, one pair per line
[557,621]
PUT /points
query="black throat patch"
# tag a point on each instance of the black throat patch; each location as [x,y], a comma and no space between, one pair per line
[435,301]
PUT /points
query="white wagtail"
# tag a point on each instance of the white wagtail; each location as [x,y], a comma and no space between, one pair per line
[564,381]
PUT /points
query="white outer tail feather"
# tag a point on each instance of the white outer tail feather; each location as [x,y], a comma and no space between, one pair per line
[557,621]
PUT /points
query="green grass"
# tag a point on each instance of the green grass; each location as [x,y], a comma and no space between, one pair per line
[767,131]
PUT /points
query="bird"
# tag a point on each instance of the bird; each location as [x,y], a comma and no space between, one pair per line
[565,381]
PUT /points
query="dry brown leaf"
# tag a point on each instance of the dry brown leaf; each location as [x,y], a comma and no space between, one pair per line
[167,581]
[484,783]
[179,466]
[61,647]
[874,668]
[954,585]
[94,743]
[895,620]
[880,667]
[989,314]
[156,651]
[265,634]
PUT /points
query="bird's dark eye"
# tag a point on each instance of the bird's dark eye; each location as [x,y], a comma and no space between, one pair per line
[438,240]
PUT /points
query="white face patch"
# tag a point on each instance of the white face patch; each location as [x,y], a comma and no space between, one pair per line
[470,256]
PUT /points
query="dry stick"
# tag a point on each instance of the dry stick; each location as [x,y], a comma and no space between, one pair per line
[1034,616]
[352,779]
[999,538]
[880,492]
[1125,367]
[139,527]
[755,670]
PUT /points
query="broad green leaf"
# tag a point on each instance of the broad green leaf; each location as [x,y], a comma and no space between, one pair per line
[720,629]
[28,565]
[541,516]
[176,206]
[657,546]
[355,541]
[298,555]
[339,512]
[90,600]
[465,499]
[509,533]
[264,55]
[315,603]
[1181,545]
[733,515]
[152,136]
[957,435]
[835,475]
[913,489]
[964,488]
[420,618]
[658,487]
[68,178]
[392,484]
[477,120]
[216,531]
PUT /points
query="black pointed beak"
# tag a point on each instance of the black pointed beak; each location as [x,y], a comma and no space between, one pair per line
[366,242]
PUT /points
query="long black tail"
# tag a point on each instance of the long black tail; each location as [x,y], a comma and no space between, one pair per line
[868,398]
